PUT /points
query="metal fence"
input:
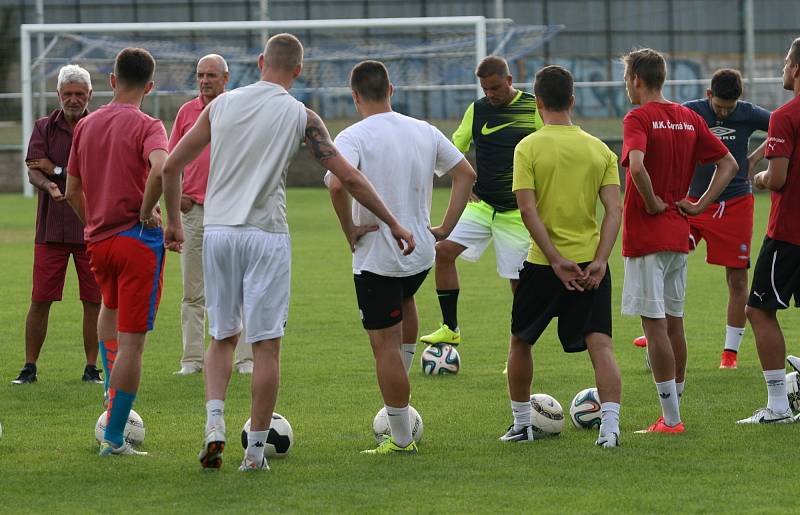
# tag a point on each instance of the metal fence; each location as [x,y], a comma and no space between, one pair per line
[699,36]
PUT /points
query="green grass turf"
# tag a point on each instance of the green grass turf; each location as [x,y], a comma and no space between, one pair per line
[48,459]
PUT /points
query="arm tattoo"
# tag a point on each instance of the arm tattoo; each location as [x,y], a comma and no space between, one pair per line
[318,139]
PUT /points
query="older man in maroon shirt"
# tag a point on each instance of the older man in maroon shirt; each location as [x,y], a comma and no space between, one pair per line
[59,233]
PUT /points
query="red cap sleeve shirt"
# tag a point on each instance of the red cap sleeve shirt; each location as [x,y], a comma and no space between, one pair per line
[674,140]
[56,222]
[110,151]
[195,174]
[783,140]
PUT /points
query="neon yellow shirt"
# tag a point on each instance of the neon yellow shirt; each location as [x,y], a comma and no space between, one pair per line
[566,167]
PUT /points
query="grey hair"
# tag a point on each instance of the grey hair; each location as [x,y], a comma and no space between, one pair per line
[73,74]
[218,58]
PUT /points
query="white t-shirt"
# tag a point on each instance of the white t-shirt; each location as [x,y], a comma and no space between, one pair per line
[255,133]
[399,156]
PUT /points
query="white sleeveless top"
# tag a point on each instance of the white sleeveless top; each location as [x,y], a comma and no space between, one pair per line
[256,131]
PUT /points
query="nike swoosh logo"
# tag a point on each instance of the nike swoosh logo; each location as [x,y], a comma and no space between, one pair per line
[491,130]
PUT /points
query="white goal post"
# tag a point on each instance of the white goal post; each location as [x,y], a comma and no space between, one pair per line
[478,25]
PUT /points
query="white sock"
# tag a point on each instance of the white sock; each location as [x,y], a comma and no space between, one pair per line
[733,338]
[522,414]
[408,355]
[777,401]
[679,388]
[215,409]
[610,423]
[256,440]
[400,425]
[668,395]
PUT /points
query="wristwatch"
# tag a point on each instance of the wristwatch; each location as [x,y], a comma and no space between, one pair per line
[58,170]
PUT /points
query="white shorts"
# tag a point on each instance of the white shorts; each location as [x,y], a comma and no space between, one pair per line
[655,285]
[480,224]
[247,273]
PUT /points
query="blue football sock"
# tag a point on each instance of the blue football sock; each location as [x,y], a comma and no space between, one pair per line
[120,409]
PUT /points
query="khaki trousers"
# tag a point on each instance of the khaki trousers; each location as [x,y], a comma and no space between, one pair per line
[193,308]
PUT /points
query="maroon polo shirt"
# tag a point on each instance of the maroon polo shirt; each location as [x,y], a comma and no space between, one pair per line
[56,222]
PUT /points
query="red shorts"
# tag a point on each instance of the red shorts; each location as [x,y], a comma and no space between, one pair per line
[129,267]
[50,261]
[727,227]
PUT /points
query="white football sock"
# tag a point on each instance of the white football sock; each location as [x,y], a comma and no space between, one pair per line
[668,395]
[610,423]
[408,355]
[733,338]
[522,414]
[777,401]
[256,440]
[400,425]
[215,409]
[679,388]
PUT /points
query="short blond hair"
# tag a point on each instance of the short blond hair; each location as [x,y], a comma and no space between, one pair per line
[283,52]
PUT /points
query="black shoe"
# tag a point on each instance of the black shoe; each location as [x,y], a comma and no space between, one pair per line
[91,374]
[27,375]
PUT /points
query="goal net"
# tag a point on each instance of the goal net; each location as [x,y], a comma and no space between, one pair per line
[431,61]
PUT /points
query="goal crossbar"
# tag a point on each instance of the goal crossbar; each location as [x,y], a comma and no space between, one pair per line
[27,30]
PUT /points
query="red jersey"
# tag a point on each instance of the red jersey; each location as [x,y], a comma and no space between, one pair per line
[195,174]
[674,140]
[110,151]
[783,140]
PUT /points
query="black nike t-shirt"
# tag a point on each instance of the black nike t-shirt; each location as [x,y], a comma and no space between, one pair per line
[495,132]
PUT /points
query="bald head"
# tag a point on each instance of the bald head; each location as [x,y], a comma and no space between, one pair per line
[284,53]
[213,60]
[212,76]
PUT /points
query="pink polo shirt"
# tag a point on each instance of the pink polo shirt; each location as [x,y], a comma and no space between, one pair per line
[195,174]
[110,154]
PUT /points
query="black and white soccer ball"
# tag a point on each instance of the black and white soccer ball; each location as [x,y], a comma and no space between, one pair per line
[440,359]
[585,409]
[382,431]
[547,414]
[133,433]
[280,438]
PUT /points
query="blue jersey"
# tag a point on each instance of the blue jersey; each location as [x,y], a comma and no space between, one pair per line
[734,131]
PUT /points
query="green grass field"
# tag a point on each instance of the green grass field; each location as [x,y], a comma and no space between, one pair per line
[48,460]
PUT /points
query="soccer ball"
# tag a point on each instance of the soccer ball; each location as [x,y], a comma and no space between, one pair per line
[793,390]
[280,438]
[440,359]
[382,431]
[134,429]
[547,414]
[585,409]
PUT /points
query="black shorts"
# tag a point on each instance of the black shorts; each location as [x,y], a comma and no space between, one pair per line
[541,296]
[776,277]
[380,298]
